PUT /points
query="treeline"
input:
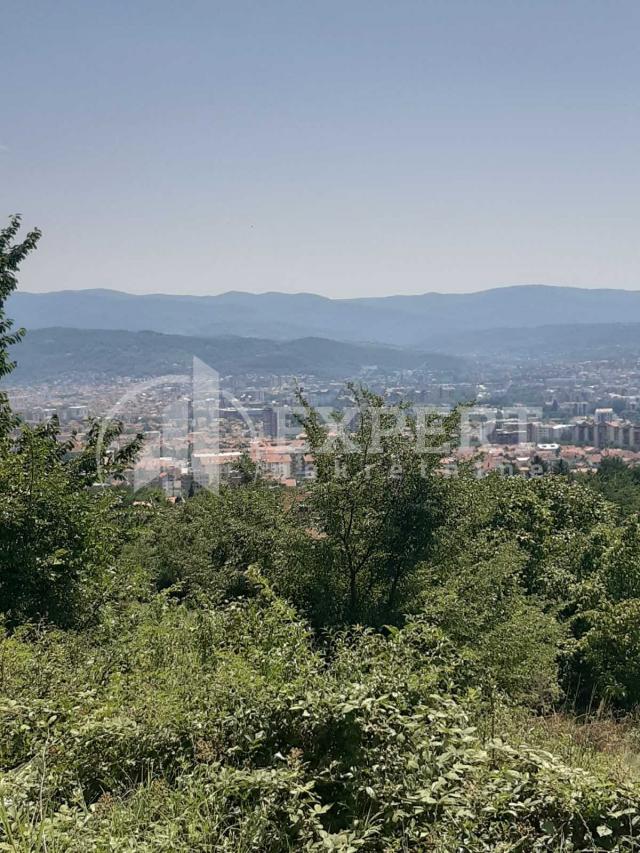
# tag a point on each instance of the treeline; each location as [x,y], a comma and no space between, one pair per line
[353,665]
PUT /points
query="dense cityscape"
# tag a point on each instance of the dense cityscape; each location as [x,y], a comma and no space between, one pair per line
[525,419]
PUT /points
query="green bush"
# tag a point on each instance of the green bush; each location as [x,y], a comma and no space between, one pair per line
[203,547]
[59,541]
[480,603]
[171,728]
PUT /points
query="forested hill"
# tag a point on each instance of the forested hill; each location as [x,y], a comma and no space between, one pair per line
[48,354]
[399,320]
[572,341]
[84,354]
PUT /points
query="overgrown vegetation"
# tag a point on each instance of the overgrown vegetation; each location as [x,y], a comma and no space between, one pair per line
[385,659]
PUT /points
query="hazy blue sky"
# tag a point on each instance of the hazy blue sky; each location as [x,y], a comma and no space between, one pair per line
[347,148]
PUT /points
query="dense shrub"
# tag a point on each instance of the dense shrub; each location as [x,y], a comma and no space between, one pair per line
[512,638]
[169,728]
[205,545]
[59,541]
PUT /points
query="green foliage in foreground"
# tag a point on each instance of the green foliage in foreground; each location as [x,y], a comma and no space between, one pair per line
[181,704]
[60,537]
[341,667]
[168,728]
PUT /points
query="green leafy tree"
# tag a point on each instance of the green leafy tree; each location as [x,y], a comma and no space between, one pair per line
[607,656]
[617,482]
[106,454]
[376,503]
[479,601]
[12,254]
[204,547]
[58,538]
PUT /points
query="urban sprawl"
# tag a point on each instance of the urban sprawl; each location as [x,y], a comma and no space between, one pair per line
[524,420]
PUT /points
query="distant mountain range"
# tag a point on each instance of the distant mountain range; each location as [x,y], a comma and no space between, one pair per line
[46,355]
[92,334]
[409,321]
